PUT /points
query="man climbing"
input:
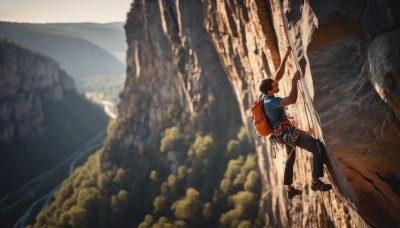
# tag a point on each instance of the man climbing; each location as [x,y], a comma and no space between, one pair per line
[286,133]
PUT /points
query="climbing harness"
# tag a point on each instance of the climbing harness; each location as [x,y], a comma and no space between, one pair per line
[290,133]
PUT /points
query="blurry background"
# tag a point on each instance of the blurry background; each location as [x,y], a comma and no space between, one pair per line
[62,67]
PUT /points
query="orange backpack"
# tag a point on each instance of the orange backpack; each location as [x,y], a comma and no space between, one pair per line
[260,120]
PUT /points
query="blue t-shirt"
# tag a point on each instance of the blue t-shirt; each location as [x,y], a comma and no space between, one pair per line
[275,113]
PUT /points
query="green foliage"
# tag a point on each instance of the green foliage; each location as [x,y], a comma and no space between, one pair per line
[245,224]
[188,207]
[153,175]
[111,127]
[233,147]
[148,220]
[242,135]
[118,201]
[163,222]
[160,203]
[234,167]
[170,139]
[183,172]
[226,185]
[252,181]
[210,102]
[240,172]
[75,217]
[202,147]
[244,204]
[119,175]
[88,197]
[172,114]
[208,210]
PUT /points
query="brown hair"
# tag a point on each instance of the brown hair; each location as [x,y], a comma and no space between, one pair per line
[265,85]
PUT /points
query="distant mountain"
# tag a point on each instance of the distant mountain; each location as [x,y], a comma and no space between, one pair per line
[83,50]
[43,119]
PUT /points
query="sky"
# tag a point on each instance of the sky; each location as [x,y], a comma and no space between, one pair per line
[52,11]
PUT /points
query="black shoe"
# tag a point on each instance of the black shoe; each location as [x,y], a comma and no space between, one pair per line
[320,186]
[294,192]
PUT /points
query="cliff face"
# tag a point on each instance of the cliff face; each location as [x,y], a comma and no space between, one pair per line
[26,79]
[170,60]
[350,68]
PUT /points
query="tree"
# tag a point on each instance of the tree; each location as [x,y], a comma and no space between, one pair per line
[252,182]
[187,208]
[119,200]
[75,217]
[171,138]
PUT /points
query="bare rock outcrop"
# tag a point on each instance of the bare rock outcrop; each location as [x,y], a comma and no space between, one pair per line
[383,59]
[27,78]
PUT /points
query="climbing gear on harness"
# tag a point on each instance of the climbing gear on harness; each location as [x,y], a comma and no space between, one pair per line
[290,136]
[260,120]
[290,133]
[274,142]
[320,186]
[282,126]
[294,192]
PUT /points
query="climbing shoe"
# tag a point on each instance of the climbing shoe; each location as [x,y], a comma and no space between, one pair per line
[320,186]
[294,192]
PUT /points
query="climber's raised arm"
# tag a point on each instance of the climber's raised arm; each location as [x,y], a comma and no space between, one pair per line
[281,70]
[292,98]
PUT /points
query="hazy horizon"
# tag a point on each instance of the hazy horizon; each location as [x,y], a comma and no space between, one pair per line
[73,11]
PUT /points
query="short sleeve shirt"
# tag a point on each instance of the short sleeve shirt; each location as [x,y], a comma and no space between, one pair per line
[275,113]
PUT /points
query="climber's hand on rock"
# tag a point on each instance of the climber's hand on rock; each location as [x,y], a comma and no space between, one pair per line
[288,50]
[296,76]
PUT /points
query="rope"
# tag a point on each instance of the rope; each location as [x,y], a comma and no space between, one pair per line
[295,60]
[307,102]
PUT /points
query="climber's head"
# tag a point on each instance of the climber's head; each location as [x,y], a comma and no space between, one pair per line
[268,86]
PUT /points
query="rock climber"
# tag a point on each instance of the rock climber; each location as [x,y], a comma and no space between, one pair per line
[285,131]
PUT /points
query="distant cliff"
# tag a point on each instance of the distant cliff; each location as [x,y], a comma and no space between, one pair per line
[43,120]
[183,57]
[27,78]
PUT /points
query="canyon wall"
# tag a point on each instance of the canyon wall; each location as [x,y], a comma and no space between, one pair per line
[27,78]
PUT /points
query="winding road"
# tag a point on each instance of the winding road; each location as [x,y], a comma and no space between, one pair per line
[38,184]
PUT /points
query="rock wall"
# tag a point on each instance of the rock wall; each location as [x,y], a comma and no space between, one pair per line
[349,66]
[360,119]
[348,98]
[258,58]
[25,79]
[170,60]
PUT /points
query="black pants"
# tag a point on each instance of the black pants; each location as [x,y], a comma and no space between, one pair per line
[306,142]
